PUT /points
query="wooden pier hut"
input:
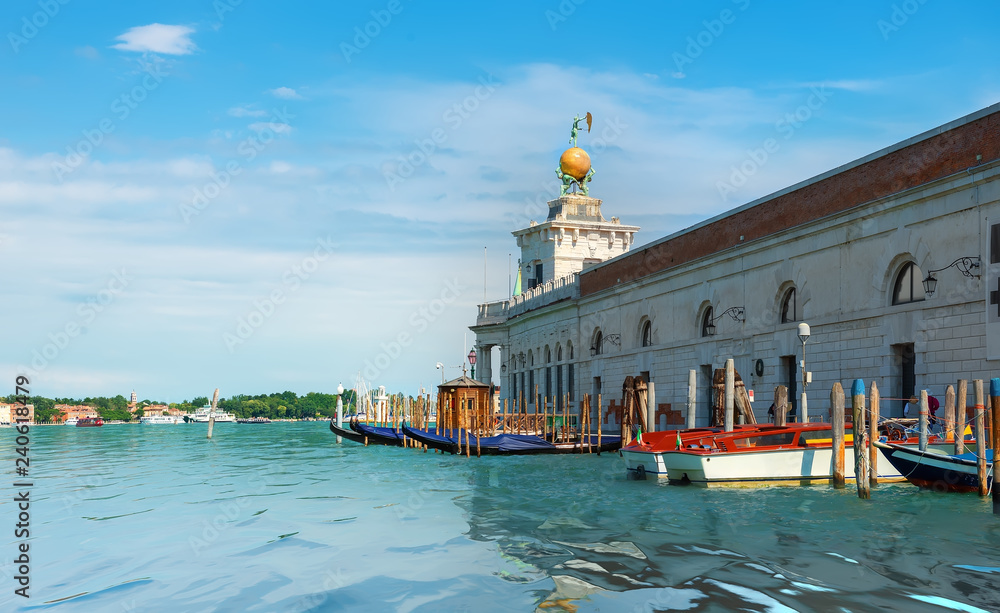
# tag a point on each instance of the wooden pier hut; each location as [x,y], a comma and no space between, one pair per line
[465,403]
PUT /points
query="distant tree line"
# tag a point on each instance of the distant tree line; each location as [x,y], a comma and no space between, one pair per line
[284,405]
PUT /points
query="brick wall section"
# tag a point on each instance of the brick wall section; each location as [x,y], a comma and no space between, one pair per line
[933,158]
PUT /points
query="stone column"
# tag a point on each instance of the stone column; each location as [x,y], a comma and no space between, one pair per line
[484,360]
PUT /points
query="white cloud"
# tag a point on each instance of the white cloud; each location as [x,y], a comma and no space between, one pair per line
[659,147]
[275,126]
[851,85]
[243,111]
[285,92]
[87,52]
[158,38]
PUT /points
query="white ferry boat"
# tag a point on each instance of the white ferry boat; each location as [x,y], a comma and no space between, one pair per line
[72,421]
[202,415]
[161,419]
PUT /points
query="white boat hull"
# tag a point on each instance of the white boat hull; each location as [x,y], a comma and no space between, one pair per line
[157,420]
[795,466]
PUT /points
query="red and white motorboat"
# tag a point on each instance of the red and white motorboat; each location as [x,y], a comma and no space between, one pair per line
[795,454]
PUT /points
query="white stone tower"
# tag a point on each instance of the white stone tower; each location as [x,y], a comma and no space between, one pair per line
[572,238]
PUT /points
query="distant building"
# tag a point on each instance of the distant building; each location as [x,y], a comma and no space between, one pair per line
[77,411]
[160,409]
[8,413]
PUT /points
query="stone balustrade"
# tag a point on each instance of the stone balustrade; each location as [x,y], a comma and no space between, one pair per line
[534,298]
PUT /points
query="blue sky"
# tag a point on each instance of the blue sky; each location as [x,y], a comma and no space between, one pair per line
[195,197]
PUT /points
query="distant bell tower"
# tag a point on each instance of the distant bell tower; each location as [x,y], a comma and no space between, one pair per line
[134,398]
[575,234]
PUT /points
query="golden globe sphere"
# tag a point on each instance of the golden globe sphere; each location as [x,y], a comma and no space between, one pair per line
[575,162]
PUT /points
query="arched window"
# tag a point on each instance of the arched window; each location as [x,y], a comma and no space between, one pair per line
[788,307]
[570,345]
[531,358]
[548,354]
[706,321]
[647,334]
[558,353]
[595,349]
[908,287]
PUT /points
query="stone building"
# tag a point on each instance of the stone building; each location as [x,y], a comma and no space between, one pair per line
[849,252]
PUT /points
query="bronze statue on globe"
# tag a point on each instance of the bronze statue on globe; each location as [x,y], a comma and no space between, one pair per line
[574,163]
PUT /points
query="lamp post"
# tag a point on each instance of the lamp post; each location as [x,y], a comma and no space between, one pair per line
[340,407]
[804,336]
[440,367]
[472,361]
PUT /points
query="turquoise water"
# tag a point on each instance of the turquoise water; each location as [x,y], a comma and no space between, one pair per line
[280,518]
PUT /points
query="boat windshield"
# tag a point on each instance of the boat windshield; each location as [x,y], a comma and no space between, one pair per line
[765,440]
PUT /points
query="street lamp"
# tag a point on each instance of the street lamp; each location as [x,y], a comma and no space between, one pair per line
[472,361]
[440,367]
[965,265]
[737,313]
[804,336]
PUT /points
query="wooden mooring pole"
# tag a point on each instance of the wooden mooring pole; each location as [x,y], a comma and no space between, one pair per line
[949,414]
[479,426]
[872,449]
[995,406]
[780,405]
[730,391]
[923,420]
[980,437]
[600,418]
[837,425]
[862,444]
[692,412]
[211,414]
[961,415]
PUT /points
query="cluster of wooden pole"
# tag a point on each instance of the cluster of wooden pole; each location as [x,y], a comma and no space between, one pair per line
[986,424]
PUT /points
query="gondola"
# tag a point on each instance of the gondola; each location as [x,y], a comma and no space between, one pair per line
[937,471]
[378,435]
[453,441]
[347,433]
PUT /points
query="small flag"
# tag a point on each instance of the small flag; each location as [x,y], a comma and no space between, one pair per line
[678,439]
[638,436]
[517,284]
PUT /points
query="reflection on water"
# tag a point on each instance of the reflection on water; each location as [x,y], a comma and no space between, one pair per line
[611,543]
[280,518]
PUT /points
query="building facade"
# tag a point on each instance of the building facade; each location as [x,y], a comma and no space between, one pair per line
[847,251]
